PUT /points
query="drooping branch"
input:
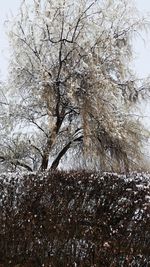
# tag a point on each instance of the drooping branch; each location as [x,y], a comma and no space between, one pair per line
[63,152]
[16,163]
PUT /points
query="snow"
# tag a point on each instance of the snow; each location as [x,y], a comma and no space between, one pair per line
[54,205]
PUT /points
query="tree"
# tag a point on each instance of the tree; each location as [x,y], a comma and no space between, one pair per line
[72,84]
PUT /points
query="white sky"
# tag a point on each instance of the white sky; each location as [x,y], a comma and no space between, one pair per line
[142,60]
[6,8]
[142,56]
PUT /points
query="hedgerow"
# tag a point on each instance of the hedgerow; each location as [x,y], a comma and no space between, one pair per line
[75,219]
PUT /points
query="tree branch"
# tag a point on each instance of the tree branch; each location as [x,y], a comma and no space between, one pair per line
[63,152]
[16,162]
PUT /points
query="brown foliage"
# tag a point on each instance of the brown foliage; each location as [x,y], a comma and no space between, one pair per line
[74,219]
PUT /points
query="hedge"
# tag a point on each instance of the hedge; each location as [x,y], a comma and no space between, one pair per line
[75,219]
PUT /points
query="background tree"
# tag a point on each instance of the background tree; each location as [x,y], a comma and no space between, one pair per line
[72,86]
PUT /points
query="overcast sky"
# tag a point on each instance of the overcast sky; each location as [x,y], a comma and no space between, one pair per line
[141,63]
[6,8]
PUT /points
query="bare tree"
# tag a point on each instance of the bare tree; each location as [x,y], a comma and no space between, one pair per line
[73,85]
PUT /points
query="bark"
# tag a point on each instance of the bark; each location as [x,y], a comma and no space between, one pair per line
[44,163]
[45,157]
[51,140]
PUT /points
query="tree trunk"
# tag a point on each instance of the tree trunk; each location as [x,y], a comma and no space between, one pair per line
[44,164]
[50,141]
[45,158]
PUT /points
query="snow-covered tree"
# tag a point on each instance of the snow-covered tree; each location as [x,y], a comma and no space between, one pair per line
[71,83]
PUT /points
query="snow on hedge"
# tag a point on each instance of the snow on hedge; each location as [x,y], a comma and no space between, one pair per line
[75,219]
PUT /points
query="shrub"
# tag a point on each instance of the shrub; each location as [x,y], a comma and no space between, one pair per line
[75,219]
